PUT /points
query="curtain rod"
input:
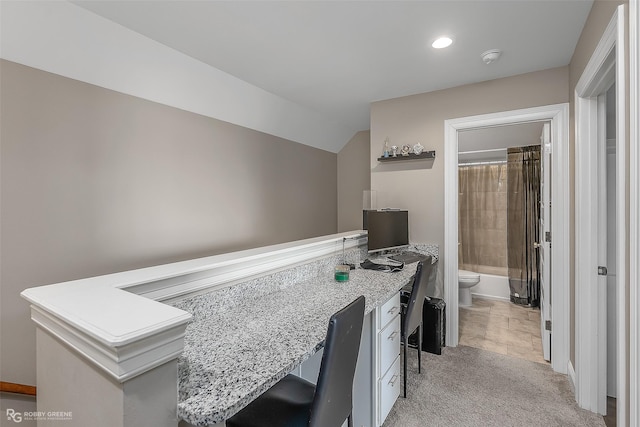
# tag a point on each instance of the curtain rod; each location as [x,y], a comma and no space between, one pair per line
[489,150]
[494,162]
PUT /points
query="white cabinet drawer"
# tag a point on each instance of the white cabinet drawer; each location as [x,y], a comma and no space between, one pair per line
[389,345]
[389,387]
[388,311]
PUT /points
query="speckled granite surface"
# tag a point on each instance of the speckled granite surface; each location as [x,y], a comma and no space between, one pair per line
[244,339]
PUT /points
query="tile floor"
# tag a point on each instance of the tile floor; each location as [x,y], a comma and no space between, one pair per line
[502,327]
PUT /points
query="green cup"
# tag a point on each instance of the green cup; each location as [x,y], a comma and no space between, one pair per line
[341,273]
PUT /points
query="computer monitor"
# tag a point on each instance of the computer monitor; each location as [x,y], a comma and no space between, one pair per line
[387,230]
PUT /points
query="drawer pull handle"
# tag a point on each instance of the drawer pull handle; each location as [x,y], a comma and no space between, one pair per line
[392,336]
[392,381]
[393,309]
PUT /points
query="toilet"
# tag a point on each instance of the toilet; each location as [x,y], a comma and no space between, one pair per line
[466,280]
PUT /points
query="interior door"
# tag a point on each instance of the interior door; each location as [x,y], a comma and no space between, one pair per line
[544,242]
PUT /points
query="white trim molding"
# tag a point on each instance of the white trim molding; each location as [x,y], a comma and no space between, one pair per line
[558,115]
[571,373]
[122,362]
[634,212]
[118,323]
[606,67]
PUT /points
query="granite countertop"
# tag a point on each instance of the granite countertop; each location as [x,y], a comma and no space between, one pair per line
[244,339]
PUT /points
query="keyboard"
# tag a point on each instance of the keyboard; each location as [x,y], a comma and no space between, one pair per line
[408,257]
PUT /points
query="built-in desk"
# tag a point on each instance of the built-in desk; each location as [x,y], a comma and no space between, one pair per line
[242,340]
[110,348]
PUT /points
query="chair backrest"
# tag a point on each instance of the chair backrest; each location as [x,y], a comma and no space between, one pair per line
[413,316]
[333,400]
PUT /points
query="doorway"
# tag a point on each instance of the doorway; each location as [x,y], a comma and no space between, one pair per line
[502,215]
[558,116]
[604,69]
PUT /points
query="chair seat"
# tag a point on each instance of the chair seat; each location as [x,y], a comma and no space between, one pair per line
[286,404]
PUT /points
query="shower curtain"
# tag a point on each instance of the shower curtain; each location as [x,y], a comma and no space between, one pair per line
[523,225]
[482,225]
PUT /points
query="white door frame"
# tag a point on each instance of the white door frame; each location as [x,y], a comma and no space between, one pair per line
[558,115]
[634,211]
[605,66]
[544,251]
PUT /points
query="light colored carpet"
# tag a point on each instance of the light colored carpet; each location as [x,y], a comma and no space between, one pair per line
[467,386]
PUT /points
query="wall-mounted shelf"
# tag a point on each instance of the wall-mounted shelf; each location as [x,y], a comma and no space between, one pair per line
[411,156]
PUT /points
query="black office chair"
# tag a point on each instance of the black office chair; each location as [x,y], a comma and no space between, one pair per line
[412,302]
[294,401]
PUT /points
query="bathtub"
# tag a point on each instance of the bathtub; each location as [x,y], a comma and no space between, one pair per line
[492,286]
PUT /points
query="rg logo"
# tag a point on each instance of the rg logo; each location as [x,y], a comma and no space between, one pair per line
[14,416]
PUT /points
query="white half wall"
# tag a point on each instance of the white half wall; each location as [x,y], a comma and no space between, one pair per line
[65,39]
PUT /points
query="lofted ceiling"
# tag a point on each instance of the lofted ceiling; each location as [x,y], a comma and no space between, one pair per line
[336,57]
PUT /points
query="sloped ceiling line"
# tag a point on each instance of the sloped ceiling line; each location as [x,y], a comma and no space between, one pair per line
[64,39]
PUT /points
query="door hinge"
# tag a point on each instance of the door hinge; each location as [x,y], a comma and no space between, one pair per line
[602,271]
[547,236]
[547,325]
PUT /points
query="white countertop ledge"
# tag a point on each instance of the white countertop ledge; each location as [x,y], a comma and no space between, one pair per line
[115,319]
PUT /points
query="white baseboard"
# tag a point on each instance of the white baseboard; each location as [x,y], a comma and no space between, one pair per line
[572,377]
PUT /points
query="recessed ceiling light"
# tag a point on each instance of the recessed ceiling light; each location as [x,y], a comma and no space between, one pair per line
[442,42]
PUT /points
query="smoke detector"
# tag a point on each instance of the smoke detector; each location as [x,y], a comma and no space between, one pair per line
[491,55]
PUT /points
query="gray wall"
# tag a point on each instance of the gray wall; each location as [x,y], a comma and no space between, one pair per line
[94,182]
[353,179]
[419,186]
